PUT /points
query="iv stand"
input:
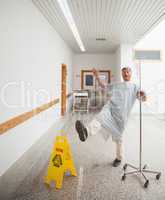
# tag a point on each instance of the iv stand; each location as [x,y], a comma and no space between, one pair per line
[140,170]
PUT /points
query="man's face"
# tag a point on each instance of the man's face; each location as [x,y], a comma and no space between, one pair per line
[126,74]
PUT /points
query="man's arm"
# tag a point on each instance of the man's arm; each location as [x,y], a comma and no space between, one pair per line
[96,74]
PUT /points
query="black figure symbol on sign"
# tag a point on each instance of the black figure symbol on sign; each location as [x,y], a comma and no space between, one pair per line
[57,160]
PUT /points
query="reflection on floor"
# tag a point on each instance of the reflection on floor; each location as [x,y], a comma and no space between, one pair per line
[97,179]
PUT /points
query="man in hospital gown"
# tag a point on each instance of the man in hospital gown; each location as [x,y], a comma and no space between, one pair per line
[112,119]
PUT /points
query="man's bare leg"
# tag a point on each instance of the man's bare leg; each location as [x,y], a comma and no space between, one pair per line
[92,129]
[118,159]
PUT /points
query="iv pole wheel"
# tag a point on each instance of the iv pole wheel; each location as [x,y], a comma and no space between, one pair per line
[146,184]
[125,167]
[158,176]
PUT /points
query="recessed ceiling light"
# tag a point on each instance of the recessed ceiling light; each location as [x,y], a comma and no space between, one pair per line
[68,15]
[101,39]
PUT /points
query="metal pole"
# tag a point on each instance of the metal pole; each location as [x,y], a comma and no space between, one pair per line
[140,107]
[141,170]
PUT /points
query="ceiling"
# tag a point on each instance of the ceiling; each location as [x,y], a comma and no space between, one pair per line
[118,21]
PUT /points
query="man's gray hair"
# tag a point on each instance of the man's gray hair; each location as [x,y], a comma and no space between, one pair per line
[127,68]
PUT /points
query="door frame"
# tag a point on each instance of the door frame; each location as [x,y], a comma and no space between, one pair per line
[63,89]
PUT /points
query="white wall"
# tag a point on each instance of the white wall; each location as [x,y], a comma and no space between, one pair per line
[127,55]
[31,53]
[118,64]
[88,61]
[124,58]
[153,73]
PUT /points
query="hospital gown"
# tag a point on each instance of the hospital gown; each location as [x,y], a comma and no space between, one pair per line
[114,115]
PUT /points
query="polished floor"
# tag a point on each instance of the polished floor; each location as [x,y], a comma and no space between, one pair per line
[97,179]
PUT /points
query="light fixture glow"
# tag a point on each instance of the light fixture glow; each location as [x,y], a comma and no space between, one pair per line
[67,13]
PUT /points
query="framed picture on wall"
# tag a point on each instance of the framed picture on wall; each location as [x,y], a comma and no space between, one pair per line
[88,81]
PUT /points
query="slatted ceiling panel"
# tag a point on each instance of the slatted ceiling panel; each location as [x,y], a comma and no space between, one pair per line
[139,27]
[87,17]
[104,16]
[110,16]
[148,27]
[147,14]
[148,11]
[114,18]
[98,18]
[46,12]
[54,15]
[147,20]
[155,10]
[102,19]
[51,13]
[118,21]
[79,18]
[112,26]
[56,11]
[150,21]
[85,20]
[134,20]
[160,16]
[95,17]
[94,23]
[139,6]
[131,13]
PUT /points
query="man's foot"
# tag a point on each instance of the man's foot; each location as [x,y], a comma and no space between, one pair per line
[116,162]
[81,130]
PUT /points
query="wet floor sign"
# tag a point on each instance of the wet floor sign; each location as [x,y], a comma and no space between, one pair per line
[61,161]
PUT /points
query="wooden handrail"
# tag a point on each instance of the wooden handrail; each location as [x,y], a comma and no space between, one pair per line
[15,121]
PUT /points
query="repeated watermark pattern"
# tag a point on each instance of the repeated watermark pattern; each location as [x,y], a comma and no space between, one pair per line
[26,96]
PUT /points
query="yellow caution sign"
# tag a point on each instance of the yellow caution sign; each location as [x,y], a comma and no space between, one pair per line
[60,162]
